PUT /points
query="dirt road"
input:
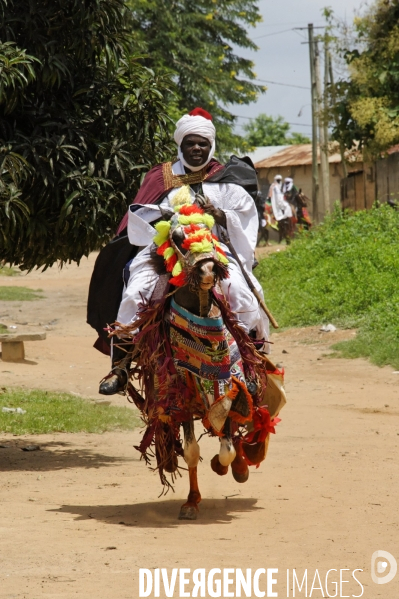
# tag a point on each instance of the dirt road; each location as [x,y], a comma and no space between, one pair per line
[81,516]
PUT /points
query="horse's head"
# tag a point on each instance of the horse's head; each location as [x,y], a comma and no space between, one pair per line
[190,251]
[301,199]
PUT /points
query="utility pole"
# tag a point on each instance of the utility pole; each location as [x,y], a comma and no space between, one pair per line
[334,99]
[325,119]
[324,165]
[315,172]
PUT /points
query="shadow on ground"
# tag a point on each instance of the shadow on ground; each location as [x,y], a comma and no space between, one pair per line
[163,513]
[51,455]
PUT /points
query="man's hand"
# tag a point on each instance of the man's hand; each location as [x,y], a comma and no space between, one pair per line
[218,215]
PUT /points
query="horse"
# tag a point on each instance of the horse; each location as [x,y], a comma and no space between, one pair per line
[301,206]
[193,361]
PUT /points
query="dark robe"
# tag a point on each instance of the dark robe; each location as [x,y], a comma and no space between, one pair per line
[107,281]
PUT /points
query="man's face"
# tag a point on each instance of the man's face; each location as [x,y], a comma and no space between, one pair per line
[195,149]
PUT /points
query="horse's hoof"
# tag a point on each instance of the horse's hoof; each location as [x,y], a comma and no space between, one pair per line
[188,512]
[240,477]
[217,466]
[239,466]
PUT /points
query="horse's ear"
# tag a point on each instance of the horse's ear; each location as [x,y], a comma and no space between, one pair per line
[166,213]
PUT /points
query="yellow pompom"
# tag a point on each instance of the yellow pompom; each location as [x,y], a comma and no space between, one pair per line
[201,247]
[193,219]
[168,253]
[197,219]
[222,258]
[208,220]
[177,269]
[163,228]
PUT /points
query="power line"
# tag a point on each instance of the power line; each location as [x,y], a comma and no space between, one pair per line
[285,84]
[296,29]
[248,118]
[277,24]
[270,34]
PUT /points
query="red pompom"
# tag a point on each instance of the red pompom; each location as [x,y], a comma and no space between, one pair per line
[163,247]
[201,112]
[192,229]
[170,263]
[192,209]
[195,238]
[178,281]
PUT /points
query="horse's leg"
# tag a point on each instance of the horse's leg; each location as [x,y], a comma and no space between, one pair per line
[189,510]
[239,466]
[220,463]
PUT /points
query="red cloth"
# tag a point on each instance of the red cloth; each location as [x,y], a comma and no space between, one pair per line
[153,188]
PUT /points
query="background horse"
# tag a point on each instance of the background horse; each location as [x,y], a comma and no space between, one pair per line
[301,206]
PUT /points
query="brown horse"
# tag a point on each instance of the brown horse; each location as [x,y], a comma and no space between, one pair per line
[180,327]
[301,206]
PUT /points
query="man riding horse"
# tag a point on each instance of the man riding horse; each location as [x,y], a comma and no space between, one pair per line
[192,327]
[235,216]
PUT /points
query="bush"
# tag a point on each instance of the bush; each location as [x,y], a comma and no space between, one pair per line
[346,272]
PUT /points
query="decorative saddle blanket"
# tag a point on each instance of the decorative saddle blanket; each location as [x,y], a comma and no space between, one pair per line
[203,346]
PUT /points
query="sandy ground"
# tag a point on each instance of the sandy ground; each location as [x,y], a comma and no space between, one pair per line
[81,516]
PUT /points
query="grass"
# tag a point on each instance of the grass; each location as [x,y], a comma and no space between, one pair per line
[8,271]
[19,294]
[346,272]
[48,412]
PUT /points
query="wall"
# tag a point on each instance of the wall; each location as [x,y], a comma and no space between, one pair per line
[358,190]
[302,176]
[387,178]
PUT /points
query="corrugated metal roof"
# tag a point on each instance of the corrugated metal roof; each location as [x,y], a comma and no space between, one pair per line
[295,155]
[263,152]
[301,154]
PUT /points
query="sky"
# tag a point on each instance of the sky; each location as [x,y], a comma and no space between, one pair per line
[282,58]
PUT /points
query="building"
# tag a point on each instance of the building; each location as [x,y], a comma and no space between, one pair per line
[296,161]
[377,180]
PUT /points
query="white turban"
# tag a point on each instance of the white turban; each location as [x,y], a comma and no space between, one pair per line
[195,125]
[288,184]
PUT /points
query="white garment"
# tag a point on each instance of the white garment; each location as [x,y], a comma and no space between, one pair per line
[281,208]
[242,227]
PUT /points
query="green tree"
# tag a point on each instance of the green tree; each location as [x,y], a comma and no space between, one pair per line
[367,106]
[81,118]
[264,130]
[197,42]
[299,138]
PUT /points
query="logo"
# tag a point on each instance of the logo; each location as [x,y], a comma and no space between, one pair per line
[379,564]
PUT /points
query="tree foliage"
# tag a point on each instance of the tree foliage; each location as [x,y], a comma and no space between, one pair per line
[265,130]
[81,118]
[368,99]
[197,41]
